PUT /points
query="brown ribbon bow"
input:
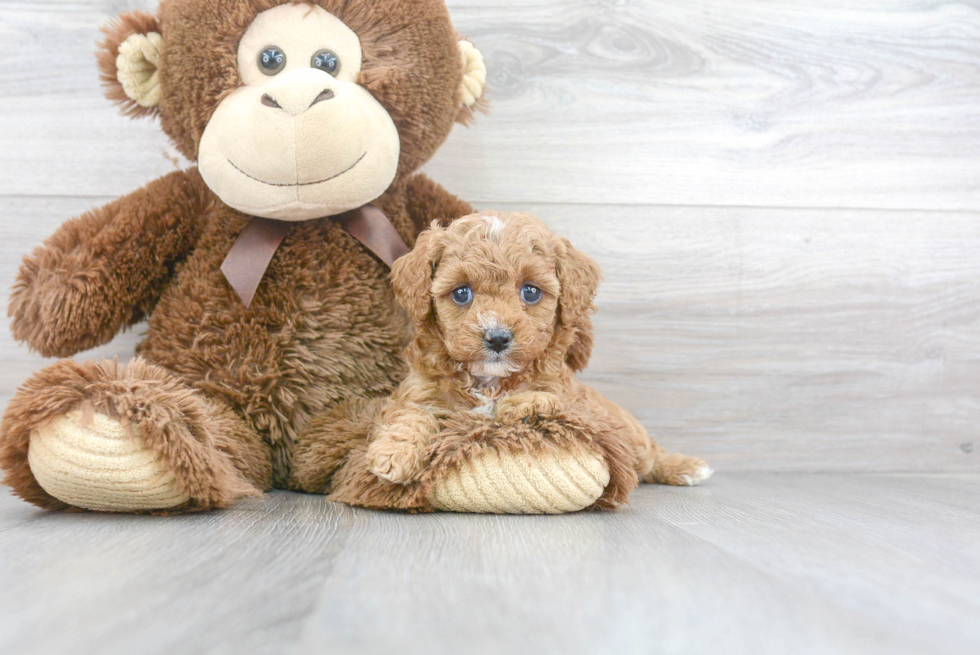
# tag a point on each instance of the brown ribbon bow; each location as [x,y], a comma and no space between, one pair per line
[249,257]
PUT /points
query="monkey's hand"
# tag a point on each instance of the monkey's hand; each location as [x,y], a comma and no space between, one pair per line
[105,270]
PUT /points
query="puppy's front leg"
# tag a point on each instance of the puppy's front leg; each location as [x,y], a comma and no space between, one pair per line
[519,406]
[397,452]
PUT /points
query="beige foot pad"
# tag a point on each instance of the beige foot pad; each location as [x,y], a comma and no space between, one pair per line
[100,465]
[548,483]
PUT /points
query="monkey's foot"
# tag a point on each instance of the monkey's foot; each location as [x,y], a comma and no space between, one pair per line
[123,438]
[97,463]
[521,483]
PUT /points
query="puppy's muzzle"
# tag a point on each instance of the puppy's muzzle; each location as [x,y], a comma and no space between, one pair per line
[498,339]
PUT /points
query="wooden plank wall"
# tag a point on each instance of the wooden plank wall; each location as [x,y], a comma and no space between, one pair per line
[785,197]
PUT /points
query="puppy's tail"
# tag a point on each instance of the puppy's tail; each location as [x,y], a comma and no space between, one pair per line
[657,466]
[653,463]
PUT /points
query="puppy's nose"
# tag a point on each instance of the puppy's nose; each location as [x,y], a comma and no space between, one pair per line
[498,339]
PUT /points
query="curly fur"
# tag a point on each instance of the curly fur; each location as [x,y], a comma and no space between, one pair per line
[452,405]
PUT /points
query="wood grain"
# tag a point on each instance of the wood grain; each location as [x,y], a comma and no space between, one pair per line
[241,581]
[761,339]
[707,102]
[745,564]
[748,563]
[705,153]
[790,340]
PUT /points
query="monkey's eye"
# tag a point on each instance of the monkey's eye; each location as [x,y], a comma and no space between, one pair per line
[530,294]
[326,61]
[462,295]
[272,60]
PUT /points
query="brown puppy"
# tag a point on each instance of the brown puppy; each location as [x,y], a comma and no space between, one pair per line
[498,301]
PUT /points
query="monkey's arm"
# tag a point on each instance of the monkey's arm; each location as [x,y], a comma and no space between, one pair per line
[106,269]
[427,201]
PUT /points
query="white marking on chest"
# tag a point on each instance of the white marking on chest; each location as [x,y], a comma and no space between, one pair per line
[487,404]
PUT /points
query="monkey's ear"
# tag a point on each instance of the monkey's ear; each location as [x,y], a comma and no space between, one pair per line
[129,60]
[411,275]
[473,83]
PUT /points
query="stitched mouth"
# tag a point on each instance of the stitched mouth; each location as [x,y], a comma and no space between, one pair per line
[332,177]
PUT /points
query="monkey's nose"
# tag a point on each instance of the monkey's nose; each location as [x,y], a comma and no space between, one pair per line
[498,339]
[326,94]
[294,103]
[268,101]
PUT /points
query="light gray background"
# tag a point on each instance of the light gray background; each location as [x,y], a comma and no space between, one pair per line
[785,198]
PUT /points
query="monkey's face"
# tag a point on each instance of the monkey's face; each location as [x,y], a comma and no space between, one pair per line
[300,139]
[296,110]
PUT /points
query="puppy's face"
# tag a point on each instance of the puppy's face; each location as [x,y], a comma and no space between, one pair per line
[495,295]
[498,290]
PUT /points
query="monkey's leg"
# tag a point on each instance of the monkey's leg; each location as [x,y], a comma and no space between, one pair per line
[126,438]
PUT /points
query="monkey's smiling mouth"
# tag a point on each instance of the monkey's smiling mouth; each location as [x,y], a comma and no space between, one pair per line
[332,177]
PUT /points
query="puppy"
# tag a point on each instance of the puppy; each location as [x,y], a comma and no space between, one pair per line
[501,308]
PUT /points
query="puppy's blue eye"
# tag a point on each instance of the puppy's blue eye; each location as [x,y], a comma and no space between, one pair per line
[531,294]
[462,295]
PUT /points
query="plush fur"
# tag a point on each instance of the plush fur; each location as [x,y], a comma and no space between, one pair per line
[411,64]
[236,387]
[116,31]
[215,456]
[337,462]
[460,397]
[237,399]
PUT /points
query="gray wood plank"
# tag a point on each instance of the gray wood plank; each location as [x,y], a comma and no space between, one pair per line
[790,340]
[762,339]
[747,563]
[708,102]
[241,581]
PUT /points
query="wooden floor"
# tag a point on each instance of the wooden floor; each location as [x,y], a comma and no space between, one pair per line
[747,563]
[785,199]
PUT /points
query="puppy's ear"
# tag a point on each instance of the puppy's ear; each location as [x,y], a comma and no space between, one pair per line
[579,276]
[411,275]
[580,351]
[129,59]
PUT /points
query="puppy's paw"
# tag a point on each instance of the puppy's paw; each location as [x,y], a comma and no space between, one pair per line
[397,452]
[519,406]
[394,460]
